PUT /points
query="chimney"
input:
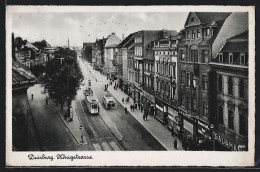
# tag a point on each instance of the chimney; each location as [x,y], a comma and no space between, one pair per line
[113,33]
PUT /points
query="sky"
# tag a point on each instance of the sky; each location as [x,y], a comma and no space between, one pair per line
[57,28]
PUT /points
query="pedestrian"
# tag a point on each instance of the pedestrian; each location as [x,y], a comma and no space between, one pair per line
[131,108]
[141,106]
[123,100]
[144,116]
[135,106]
[125,109]
[107,85]
[175,143]
[32,96]
[114,87]
[96,79]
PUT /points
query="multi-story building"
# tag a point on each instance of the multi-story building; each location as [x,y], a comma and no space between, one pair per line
[110,55]
[230,103]
[130,71]
[88,51]
[124,47]
[203,36]
[164,83]
[99,53]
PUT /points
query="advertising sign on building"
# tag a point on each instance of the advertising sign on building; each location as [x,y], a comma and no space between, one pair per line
[188,126]
[229,144]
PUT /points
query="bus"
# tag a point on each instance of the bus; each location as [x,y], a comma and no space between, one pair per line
[108,101]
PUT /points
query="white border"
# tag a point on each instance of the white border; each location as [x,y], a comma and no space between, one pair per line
[134,158]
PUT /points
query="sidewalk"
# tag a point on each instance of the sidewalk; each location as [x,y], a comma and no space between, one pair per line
[160,132]
[74,125]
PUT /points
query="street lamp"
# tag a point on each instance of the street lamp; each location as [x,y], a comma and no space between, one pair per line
[80,127]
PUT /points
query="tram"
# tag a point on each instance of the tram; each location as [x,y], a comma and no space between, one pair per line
[91,102]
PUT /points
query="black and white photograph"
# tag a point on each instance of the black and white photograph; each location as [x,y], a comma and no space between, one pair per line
[156,86]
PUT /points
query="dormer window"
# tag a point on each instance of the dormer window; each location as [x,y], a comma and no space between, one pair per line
[208,32]
[220,57]
[242,58]
[192,19]
[230,58]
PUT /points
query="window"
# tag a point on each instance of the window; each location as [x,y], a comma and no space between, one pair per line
[157,67]
[183,77]
[220,115]
[182,55]
[169,70]
[230,58]
[198,33]
[173,70]
[188,102]
[231,119]
[188,34]
[220,57]
[194,81]
[192,19]
[205,109]
[230,86]
[205,54]
[194,56]
[242,59]
[188,80]
[157,85]
[204,82]
[220,84]
[243,120]
[182,98]
[208,32]
[194,104]
[193,34]
[241,89]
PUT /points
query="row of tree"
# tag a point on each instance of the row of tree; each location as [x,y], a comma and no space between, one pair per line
[63,77]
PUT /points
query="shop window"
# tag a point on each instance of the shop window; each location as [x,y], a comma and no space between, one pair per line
[230,86]
[230,119]
[205,109]
[220,83]
[220,115]
[188,80]
[205,82]
[198,33]
[241,89]
[243,123]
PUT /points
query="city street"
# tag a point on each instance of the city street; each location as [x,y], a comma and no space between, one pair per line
[135,136]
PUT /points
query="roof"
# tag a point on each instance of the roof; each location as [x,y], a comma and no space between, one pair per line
[238,43]
[235,47]
[126,40]
[21,74]
[112,40]
[210,17]
[30,45]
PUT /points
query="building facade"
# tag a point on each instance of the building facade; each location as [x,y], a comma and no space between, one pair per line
[230,72]
[203,36]
[165,80]
[110,55]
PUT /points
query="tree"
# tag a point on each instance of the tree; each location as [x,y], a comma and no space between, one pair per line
[63,78]
[19,42]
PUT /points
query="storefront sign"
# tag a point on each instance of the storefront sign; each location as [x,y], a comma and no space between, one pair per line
[227,143]
[188,126]
[204,125]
